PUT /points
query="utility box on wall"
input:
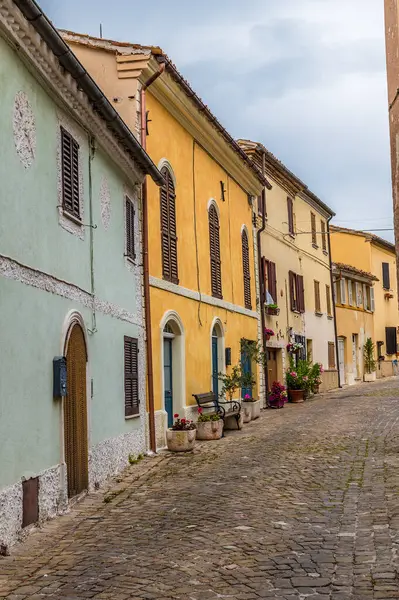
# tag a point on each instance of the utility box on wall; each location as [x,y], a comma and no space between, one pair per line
[59,377]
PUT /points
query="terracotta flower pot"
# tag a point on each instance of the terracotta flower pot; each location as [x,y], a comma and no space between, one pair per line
[180,441]
[296,396]
[210,430]
[246,411]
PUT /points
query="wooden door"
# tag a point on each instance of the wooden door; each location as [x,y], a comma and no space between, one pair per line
[271,367]
[341,356]
[168,378]
[354,356]
[75,414]
[215,364]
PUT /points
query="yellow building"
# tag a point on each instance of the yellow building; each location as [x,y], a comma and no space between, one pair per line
[366,300]
[296,269]
[201,247]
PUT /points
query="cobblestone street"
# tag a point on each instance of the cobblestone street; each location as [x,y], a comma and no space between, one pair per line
[303,503]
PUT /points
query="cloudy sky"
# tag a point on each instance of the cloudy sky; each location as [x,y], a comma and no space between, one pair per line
[304,77]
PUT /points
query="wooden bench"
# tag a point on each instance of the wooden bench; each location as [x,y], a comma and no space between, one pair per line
[211,405]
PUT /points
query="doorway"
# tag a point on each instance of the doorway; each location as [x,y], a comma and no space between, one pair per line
[168,337]
[246,366]
[341,358]
[215,361]
[271,367]
[75,413]
[355,369]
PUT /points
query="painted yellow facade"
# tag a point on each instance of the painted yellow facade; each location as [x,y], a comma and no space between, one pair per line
[366,300]
[204,166]
[298,254]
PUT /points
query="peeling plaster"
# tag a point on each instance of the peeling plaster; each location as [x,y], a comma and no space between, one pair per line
[105,202]
[24,128]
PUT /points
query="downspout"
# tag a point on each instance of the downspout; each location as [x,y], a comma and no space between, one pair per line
[262,298]
[92,151]
[146,272]
[333,301]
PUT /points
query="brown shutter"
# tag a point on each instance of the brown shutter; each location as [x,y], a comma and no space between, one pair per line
[313,224]
[290,210]
[130,248]
[331,355]
[317,297]
[386,283]
[264,277]
[323,236]
[391,340]
[246,270]
[328,298]
[292,281]
[214,250]
[168,229]
[300,294]
[271,280]
[70,174]
[132,402]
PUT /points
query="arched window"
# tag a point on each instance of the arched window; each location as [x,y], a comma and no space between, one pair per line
[168,228]
[246,270]
[214,249]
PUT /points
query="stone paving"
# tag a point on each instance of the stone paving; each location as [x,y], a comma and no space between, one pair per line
[303,503]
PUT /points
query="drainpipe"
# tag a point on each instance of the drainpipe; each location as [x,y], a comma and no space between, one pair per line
[92,151]
[262,298]
[146,272]
[333,302]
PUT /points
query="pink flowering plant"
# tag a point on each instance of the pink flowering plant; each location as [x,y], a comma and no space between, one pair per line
[298,375]
[269,332]
[278,395]
[316,371]
[182,424]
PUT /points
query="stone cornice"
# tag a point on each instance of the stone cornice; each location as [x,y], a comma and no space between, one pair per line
[178,104]
[44,66]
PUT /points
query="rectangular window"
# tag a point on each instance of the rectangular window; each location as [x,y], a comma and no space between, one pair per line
[391,340]
[372,301]
[132,402]
[130,251]
[386,283]
[297,292]
[342,290]
[328,301]
[314,231]
[70,174]
[290,210]
[317,302]
[350,293]
[323,236]
[331,355]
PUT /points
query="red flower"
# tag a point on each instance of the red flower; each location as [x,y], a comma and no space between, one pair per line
[183,420]
[199,410]
[176,415]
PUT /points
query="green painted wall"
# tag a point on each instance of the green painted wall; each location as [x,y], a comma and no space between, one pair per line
[31,319]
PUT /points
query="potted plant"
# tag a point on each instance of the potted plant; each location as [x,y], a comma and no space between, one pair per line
[294,347]
[230,384]
[369,361]
[272,309]
[209,427]
[181,436]
[298,380]
[269,333]
[315,377]
[277,396]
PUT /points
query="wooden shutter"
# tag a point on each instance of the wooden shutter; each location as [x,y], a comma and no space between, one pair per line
[386,283]
[350,292]
[168,229]
[300,294]
[331,355]
[343,290]
[313,225]
[214,249]
[271,281]
[390,340]
[372,300]
[292,282]
[130,248]
[264,277]
[132,402]
[317,301]
[70,174]
[365,298]
[290,210]
[323,236]
[328,300]
[246,270]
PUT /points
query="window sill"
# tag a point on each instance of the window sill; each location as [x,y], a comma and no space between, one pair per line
[330,317]
[130,417]
[174,281]
[72,218]
[318,314]
[218,296]
[315,246]
[325,252]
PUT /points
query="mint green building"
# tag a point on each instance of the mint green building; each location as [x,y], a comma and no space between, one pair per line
[70,277]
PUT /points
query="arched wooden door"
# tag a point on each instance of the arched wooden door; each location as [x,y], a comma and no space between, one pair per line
[75,413]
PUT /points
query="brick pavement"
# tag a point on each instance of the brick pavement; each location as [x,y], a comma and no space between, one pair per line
[303,503]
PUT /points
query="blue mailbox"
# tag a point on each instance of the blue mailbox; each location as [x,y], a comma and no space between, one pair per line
[59,377]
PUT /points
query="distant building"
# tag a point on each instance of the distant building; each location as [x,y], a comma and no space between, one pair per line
[366,298]
[70,278]
[295,269]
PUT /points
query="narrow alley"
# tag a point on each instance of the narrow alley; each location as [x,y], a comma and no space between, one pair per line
[301,504]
